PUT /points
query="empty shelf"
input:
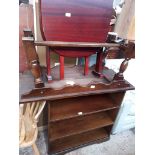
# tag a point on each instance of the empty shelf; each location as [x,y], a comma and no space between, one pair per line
[72,107]
[76,141]
[79,125]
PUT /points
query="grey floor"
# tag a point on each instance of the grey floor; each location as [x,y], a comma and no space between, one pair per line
[120,144]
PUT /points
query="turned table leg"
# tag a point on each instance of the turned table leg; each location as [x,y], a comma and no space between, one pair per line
[98,67]
[32,58]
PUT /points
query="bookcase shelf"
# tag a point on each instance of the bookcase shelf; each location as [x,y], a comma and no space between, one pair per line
[79,125]
[78,121]
[75,141]
[74,107]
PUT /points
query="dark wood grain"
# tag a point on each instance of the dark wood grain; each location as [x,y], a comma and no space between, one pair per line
[113,113]
[123,67]
[115,51]
[59,89]
[80,140]
[33,60]
[69,108]
[75,44]
[99,102]
[79,125]
[129,49]
[74,91]
[117,97]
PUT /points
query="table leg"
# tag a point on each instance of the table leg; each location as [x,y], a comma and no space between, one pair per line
[48,64]
[61,59]
[86,69]
[99,67]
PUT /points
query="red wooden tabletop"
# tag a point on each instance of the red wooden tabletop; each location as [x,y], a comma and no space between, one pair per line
[75,20]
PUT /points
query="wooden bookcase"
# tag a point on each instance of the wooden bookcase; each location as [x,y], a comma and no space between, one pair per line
[79,114]
[78,121]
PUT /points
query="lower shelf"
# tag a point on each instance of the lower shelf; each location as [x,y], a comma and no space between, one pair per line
[76,141]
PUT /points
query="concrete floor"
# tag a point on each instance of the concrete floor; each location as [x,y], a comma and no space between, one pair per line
[120,144]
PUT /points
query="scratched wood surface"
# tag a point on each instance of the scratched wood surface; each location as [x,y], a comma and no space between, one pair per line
[72,73]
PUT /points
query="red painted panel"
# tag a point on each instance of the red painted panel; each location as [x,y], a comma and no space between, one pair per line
[75,52]
[61,67]
[76,10]
[62,29]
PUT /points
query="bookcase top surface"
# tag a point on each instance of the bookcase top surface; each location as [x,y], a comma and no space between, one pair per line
[75,84]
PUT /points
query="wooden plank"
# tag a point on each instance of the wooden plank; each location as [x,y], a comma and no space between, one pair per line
[74,91]
[73,44]
[79,125]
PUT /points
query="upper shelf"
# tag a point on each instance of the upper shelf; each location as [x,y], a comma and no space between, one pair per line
[74,107]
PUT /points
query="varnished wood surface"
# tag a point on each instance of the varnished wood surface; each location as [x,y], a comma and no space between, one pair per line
[115,51]
[75,21]
[70,133]
[33,60]
[72,73]
[74,44]
[76,141]
[75,91]
[87,17]
[79,125]
[70,108]
[60,89]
